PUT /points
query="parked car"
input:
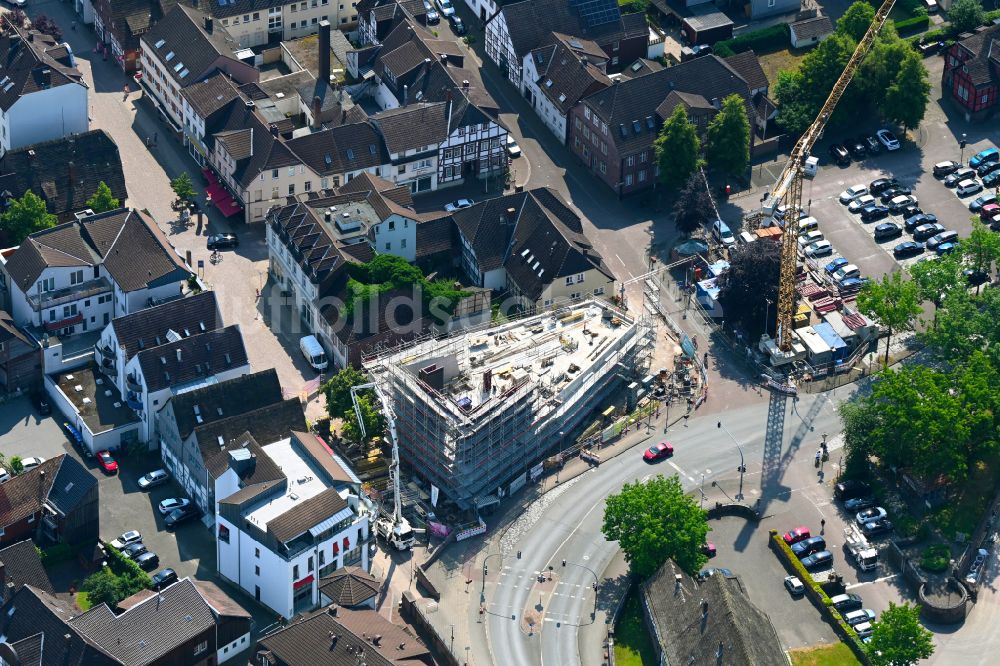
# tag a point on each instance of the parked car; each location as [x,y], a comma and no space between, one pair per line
[965,173]
[796,535]
[856,504]
[513,150]
[459,205]
[168,505]
[446,7]
[851,285]
[945,248]
[457,24]
[861,203]
[987,212]
[823,558]
[821,249]
[152,479]
[992,180]
[850,489]
[31,463]
[794,586]
[810,237]
[708,549]
[900,203]
[148,561]
[864,631]
[888,231]
[888,139]
[107,463]
[707,573]
[925,231]
[915,221]
[977,204]
[873,145]
[223,242]
[852,193]
[848,271]
[840,155]
[942,169]
[908,249]
[42,404]
[809,546]
[658,452]
[872,213]
[832,267]
[891,193]
[983,156]
[857,148]
[944,237]
[134,550]
[164,578]
[178,516]
[130,537]
[430,14]
[876,527]
[967,188]
[858,616]
[987,168]
[870,514]
[846,602]
[723,234]
[880,185]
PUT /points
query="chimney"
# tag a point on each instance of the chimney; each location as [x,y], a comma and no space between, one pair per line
[444,59]
[208,24]
[465,84]
[343,117]
[274,129]
[71,171]
[511,215]
[583,61]
[406,94]
[324,52]
[317,105]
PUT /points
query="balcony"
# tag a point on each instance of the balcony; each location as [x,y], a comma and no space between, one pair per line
[132,385]
[134,402]
[51,299]
[105,351]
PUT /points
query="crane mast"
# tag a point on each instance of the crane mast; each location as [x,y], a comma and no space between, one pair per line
[788,188]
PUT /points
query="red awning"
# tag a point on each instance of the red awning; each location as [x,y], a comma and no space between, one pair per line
[56,325]
[302,583]
[209,175]
[227,206]
[216,191]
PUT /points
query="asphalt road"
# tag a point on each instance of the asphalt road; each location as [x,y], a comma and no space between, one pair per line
[572,525]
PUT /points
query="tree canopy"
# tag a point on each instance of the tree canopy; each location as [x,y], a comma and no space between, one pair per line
[183,187]
[677,148]
[374,420]
[338,390]
[102,200]
[906,98]
[388,272]
[855,21]
[894,302]
[966,16]
[898,638]
[748,291]
[693,207]
[728,138]
[654,521]
[24,217]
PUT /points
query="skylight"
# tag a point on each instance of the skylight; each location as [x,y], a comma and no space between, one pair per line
[178,67]
[160,43]
[169,56]
[637,126]
[350,153]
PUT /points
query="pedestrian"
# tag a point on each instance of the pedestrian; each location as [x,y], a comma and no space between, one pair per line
[822,525]
[704,360]
[686,420]
[125,92]
[149,142]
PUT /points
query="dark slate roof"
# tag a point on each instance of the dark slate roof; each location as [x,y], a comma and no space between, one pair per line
[149,630]
[236,124]
[300,229]
[25,57]
[350,586]
[414,126]
[145,329]
[201,356]
[486,227]
[984,47]
[634,101]
[298,643]
[32,614]
[211,94]
[183,33]
[266,424]
[531,21]
[641,67]
[224,400]
[819,26]
[693,621]
[65,172]
[22,565]
[435,236]
[568,77]
[264,469]
[72,483]
[64,484]
[335,106]
[340,149]
[748,66]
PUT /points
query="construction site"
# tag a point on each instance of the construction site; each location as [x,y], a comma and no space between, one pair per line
[477,412]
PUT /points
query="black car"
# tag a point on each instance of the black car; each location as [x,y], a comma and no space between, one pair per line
[223,241]
[178,516]
[975,278]
[909,210]
[876,527]
[992,180]
[133,550]
[986,199]
[955,177]
[846,602]
[42,405]
[457,25]
[890,193]
[148,561]
[162,579]
[946,168]
[873,145]
[850,489]
[809,546]
[880,185]
[908,249]
[840,155]
[856,148]
[872,213]
[915,221]
[823,558]
[941,238]
[925,231]
[859,504]
[987,168]
[887,231]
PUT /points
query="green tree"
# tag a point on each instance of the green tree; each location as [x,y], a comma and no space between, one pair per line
[906,99]
[103,587]
[102,200]
[654,521]
[982,248]
[25,216]
[728,138]
[894,302]
[960,324]
[338,390]
[795,109]
[677,148]
[183,187]
[16,465]
[860,419]
[374,420]
[855,21]
[898,638]
[693,207]
[748,290]
[935,279]
[966,16]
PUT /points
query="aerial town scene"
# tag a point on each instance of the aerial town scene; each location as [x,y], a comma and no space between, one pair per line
[499,332]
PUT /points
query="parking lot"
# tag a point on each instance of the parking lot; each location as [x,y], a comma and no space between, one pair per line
[24,433]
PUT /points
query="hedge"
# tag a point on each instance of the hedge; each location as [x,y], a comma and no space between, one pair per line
[992,16]
[912,25]
[125,568]
[773,38]
[56,554]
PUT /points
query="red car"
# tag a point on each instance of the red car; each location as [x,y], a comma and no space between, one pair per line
[708,549]
[658,452]
[987,212]
[106,462]
[796,535]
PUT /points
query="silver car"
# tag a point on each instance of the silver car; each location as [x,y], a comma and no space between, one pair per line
[152,479]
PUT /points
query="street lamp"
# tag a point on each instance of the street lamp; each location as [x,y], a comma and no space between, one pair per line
[486,570]
[742,467]
[961,145]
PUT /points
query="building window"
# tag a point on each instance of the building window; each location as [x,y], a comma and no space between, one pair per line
[291,189]
[642,156]
[586,112]
[256,552]
[322,557]
[642,175]
[630,160]
[201,647]
[402,244]
[401,170]
[628,180]
[599,291]
[604,167]
[310,564]
[614,60]
[295,572]
[76,277]
[324,183]
[388,247]
[569,281]
[223,533]
[274,173]
[256,570]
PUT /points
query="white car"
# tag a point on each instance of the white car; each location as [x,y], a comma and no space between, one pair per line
[819,249]
[127,539]
[513,150]
[861,203]
[847,271]
[888,139]
[447,9]
[459,205]
[865,631]
[852,193]
[794,585]
[968,187]
[31,463]
[810,237]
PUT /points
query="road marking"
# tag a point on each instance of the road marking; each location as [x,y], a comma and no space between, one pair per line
[679,470]
[870,582]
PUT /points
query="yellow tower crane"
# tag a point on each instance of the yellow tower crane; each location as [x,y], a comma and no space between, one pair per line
[788,188]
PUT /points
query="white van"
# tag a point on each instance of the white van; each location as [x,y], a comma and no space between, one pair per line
[747,237]
[313,351]
[723,233]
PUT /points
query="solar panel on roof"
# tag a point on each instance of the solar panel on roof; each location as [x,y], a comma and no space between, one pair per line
[597,12]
